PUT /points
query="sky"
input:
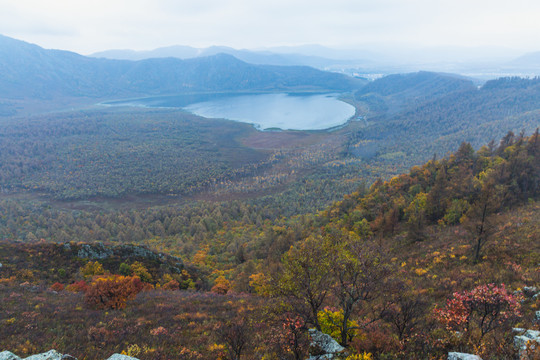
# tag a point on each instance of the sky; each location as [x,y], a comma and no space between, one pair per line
[95,25]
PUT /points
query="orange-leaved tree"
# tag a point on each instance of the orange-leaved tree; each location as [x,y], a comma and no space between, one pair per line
[112,292]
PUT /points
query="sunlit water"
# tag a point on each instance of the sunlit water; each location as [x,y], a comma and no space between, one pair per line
[265,111]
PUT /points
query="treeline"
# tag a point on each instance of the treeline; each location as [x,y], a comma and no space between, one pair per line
[450,190]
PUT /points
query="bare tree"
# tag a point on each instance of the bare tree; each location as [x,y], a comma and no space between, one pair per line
[237,336]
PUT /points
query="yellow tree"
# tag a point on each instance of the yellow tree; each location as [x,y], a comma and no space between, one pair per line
[303,280]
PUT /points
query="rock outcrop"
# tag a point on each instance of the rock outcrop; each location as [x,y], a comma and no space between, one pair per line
[324,347]
[6,355]
[529,292]
[462,356]
[99,251]
[94,251]
[49,355]
[526,338]
[121,357]
[55,355]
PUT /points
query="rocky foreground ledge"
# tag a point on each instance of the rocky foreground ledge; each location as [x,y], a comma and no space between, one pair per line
[55,355]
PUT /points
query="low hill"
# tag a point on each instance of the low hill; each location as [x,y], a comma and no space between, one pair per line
[527,62]
[401,91]
[417,125]
[64,263]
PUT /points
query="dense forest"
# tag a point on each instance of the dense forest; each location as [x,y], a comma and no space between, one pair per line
[409,232]
[383,271]
[113,153]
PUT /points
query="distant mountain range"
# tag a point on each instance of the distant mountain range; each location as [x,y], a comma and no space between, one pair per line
[484,62]
[29,71]
[529,61]
[314,56]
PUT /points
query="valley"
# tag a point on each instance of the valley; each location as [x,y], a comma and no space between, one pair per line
[159,233]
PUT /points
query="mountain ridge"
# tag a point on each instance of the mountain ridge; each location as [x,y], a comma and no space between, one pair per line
[30,71]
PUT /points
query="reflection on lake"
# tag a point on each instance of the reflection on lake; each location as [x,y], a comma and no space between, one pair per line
[265,111]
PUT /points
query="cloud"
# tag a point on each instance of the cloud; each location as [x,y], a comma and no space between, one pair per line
[87,26]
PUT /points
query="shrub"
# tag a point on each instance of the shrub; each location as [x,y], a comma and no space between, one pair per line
[57,286]
[138,269]
[125,269]
[479,311]
[171,285]
[112,292]
[92,269]
[78,286]
[330,322]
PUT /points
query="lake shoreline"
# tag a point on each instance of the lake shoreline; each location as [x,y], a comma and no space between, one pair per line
[266,111]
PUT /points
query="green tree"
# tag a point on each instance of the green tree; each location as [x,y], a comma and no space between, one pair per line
[358,270]
[303,280]
[416,216]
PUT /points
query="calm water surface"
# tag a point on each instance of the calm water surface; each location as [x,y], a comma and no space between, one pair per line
[265,111]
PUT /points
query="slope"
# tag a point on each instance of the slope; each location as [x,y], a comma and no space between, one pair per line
[399,315]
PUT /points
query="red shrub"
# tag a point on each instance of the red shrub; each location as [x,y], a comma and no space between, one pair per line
[57,286]
[487,307]
[78,286]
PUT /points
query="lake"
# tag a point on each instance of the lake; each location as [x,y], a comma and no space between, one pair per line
[264,111]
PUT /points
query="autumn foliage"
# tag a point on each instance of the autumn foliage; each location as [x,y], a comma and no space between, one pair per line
[78,286]
[112,292]
[57,286]
[481,310]
[221,286]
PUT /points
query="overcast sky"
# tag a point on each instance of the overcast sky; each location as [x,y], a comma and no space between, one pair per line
[95,25]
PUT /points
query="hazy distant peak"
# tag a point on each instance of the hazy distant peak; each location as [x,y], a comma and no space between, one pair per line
[529,60]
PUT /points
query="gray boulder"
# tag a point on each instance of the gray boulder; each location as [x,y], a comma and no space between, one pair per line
[530,291]
[121,357]
[531,337]
[49,355]
[462,356]
[324,347]
[6,355]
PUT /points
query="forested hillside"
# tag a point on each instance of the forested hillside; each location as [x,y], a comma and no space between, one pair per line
[184,236]
[374,270]
[439,122]
[31,72]
[116,153]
